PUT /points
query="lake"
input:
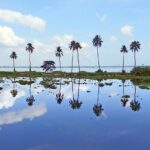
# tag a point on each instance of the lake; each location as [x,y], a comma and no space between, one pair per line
[73,114]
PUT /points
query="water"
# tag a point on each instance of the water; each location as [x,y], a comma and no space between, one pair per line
[68,69]
[73,115]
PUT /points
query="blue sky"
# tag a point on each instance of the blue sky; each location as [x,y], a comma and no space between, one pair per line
[51,23]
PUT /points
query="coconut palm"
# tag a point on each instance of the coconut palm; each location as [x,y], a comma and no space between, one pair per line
[59,53]
[72,47]
[135,46]
[135,105]
[97,42]
[14,91]
[98,109]
[59,95]
[77,47]
[75,103]
[123,50]
[13,56]
[48,65]
[30,49]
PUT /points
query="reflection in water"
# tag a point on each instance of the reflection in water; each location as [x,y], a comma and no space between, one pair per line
[75,103]
[14,91]
[30,100]
[18,116]
[59,96]
[124,98]
[135,105]
[98,109]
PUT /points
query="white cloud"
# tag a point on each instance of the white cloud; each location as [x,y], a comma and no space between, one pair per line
[24,19]
[127,30]
[9,38]
[102,18]
[113,39]
[7,100]
[84,45]
[28,113]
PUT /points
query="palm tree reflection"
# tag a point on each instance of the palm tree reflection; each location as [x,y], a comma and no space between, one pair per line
[124,98]
[135,105]
[75,103]
[14,91]
[30,100]
[98,109]
[59,95]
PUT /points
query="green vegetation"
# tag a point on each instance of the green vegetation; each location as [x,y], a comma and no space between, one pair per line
[141,71]
[24,82]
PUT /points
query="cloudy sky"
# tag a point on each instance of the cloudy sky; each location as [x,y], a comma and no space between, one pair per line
[51,23]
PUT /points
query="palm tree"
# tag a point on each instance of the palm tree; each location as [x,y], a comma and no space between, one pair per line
[98,109]
[135,46]
[14,91]
[48,65]
[123,50]
[30,49]
[59,53]
[97,42]
[72,47]
[13,56]
[77,47]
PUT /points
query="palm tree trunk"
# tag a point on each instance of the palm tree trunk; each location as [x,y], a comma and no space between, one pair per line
[134,93]
[98,59]
[72,63]
[60,63]
[78,60]
[134,58]
[79,89]
[98,96]
[123,87]
[29,62]
[72,90]
[123,63]
[14,64]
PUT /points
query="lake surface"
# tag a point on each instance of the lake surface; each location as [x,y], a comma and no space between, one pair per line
[72,114]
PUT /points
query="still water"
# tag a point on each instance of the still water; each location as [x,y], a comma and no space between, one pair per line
[73,114]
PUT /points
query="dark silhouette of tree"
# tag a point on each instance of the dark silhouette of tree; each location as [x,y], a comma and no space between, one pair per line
[14,91]
[30,49]
[75,103]
[77,47]
[98,109]
[135,105]
[59,54]
[48,66]
[30,100]
[59,95]
[123,50]
[124,98]
[97,42]
[13,56]
[72,47]
[135,46]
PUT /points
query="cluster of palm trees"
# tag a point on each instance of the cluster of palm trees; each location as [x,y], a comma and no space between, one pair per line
[76,46]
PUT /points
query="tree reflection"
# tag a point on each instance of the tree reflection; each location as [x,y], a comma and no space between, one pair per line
[14,91]
[75,103]
[30,100]
[135,105]
[59,95]
[98,109]
[124,98]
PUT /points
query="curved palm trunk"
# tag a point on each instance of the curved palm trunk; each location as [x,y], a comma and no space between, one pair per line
[78,60]
[72,63]
[29,62]
[134,58]
[14,64]
[123,63]
[98,58]
[60,63]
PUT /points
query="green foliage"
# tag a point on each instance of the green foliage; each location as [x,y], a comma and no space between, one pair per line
[141,71]
[23,82]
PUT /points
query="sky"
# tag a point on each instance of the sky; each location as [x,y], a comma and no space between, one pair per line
[51,23]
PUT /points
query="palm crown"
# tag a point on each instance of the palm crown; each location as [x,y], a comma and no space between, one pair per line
[29,47]
[13,55]
[135,46]
[59,52]
[97,41]
[72,45]
[123,49]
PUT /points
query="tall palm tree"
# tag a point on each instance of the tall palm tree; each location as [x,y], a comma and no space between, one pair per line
[14,91]
[135,46]
[123,50]
[30,49]
[77,47]
[59,53]
[13,56]
[97,42]
[72,47]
